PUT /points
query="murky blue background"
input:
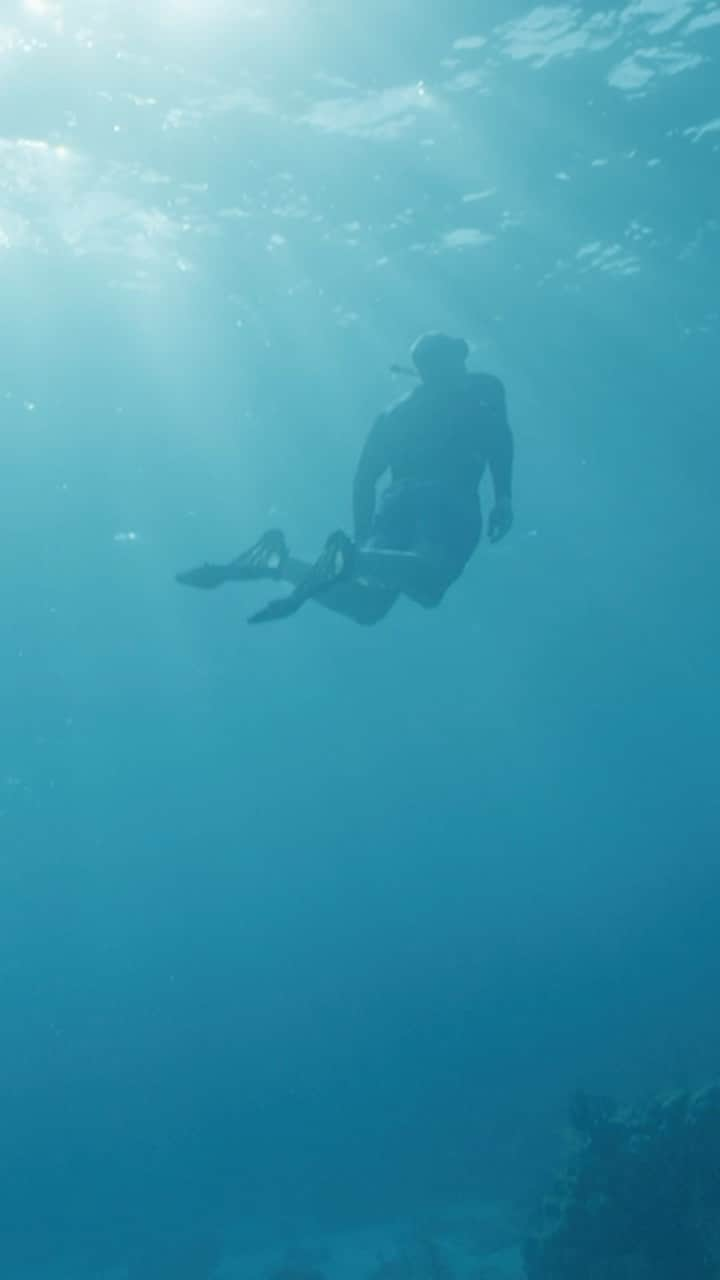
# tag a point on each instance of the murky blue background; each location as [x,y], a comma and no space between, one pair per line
[316,924]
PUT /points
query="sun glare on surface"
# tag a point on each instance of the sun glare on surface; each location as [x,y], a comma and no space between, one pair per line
[201,10]
[212,12]
[43,8]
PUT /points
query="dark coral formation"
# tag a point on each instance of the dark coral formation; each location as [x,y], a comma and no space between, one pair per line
[421,1259]
[640,1199]
[193,1256]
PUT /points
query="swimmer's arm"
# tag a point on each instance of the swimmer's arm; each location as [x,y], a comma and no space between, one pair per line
[501,464]
[502,450]
[500,459]
[374,460]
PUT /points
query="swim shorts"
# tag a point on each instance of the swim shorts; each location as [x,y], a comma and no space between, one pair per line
[415,513]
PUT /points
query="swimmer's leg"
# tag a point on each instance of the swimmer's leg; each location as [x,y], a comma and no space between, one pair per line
[363,602]
[330,582]
[423,574]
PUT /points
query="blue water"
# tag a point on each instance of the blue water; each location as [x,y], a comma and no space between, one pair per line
[317,925]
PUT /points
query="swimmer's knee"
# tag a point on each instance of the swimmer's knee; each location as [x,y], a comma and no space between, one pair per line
[431,599]
[372,611]
[432,593]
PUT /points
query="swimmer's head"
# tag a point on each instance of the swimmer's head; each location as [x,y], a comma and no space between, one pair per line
[437,356]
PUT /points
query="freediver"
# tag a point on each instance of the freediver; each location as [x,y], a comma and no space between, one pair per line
[416,540]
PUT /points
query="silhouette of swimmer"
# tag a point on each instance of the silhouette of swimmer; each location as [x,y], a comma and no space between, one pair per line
[435,443]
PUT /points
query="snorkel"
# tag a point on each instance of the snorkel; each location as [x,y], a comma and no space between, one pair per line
[435,356]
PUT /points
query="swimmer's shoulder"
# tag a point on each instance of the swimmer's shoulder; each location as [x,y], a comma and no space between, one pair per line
[487,389]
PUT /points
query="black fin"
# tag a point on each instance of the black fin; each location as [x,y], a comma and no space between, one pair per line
[334,565]
[265,559]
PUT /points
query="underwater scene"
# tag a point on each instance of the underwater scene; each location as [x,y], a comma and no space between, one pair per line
[359,675]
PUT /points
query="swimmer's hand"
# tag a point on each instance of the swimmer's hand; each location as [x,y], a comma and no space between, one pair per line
[501,520]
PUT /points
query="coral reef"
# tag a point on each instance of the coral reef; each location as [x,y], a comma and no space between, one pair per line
[459,1256]
[295,1271]
[640,1199]
[421,1259]
[194,1256]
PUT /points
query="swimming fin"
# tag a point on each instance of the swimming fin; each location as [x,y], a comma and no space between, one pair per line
[334,565]
[265,559]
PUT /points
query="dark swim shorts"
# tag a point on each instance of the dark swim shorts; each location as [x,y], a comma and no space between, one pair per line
[416,512]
